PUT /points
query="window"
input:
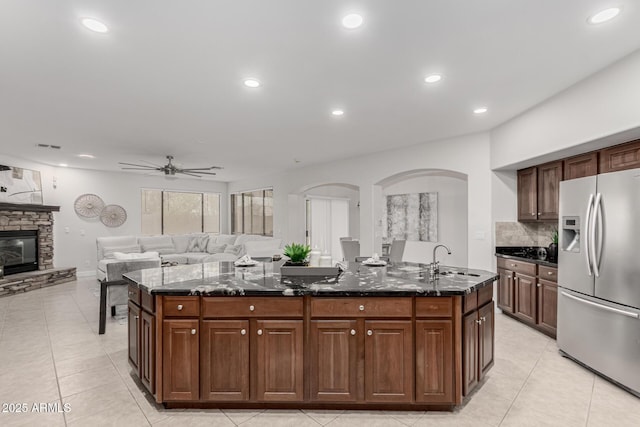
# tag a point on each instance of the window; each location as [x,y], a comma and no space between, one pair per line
[175,212]
[252,212]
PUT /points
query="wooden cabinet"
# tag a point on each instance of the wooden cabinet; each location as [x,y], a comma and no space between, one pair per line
[148,350]
[180,359]
[334,360]
[279,366]
[620,157]
[486,328]
[581,166]
[539,192]
[505,290]
[434,361]
[470,331]
[224,346]
[478,328]
[548,306]
[133,334]
[525,297]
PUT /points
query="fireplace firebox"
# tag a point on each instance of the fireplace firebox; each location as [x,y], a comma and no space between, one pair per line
[18,251]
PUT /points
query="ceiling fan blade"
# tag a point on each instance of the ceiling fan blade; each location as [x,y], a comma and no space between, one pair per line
[154,164]
[204,169]
[140,169]
[204,173]
[133,164]
[189,173]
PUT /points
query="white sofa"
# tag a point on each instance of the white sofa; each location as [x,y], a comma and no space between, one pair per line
[114,252]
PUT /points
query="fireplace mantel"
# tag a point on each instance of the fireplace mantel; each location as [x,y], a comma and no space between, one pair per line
[28,208]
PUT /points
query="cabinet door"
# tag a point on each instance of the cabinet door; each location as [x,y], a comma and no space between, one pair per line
[525,298]
[133,333]
[549,177]
[469,352]
[528,194]
[148,351]
[620,157]
[279,365]
[334,360]
[505,290]
[180,361]
[581,166]
[485,338]
[224,348]
[547,305]
[434,361]
[388,361]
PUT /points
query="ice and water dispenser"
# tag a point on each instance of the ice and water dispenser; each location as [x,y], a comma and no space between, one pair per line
[571,233]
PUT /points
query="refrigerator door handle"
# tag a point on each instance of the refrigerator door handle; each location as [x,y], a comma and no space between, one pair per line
[599,215]
[587,240]
[603,307]
[592,232]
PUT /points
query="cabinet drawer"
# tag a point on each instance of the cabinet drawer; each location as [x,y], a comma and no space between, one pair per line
[134,294]
[470,302]
[434,307]
[522,267]
[361,307]
[485,295]
[217,307]
[181,306]
[148,302]
[548,273]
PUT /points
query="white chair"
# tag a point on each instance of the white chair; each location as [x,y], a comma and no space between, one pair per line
[350,249]
[346,238]
[397,250]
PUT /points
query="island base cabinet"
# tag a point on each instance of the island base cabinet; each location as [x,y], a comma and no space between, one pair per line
[478,343]
[486,328]
[147,351]
[180,359]
[133,334]
[334,360]
[388,361]
[434,361]
[225,360]
[279,364]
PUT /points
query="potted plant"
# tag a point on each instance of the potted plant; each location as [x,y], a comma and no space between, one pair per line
[553,247]
[297,254]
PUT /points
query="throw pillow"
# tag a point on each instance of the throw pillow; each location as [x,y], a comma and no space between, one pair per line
[233,249]
[198,244]
[227,239]
[108,251]
[215,249]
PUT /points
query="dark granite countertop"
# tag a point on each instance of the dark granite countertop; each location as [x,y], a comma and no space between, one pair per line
[527,259]
[222,278]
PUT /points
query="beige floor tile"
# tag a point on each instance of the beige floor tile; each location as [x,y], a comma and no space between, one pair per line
[239,416]
[323,417]
[81,364]
[437,419]
[111,398]
[49,417]
[195,418]
[86,380]
[365,418]
[281,418]
[612,406]
[120,418]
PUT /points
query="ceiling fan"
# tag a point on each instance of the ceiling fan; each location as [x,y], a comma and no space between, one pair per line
[170,169]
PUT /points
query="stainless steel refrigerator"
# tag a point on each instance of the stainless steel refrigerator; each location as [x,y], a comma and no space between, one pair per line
[599,274]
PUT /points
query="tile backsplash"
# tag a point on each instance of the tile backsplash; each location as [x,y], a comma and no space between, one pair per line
[524,234]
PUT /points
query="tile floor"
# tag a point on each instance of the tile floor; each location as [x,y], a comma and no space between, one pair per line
[50,352]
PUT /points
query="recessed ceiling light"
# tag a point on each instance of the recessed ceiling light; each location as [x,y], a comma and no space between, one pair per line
[433,78]
[480,110]
[352,21]
[64,165]
[95,25]
[87,156]
[337,113]
[251,83]
[604,15]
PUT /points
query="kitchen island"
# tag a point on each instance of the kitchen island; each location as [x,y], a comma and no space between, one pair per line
[215,335]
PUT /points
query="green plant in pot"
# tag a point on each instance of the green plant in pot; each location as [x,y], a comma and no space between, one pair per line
[553,247]
[297,254]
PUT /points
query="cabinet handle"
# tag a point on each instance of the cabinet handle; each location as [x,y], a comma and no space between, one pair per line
[361,308]
[533,214]
[259,331]
[252,308]
[353,332]
[538,213]
[243,332]
[550,273]
[484,319]
[513,265]
[137,317]
[369,332]
[539,284]
[179,307]
[510,277]
[479,322]
[193,332]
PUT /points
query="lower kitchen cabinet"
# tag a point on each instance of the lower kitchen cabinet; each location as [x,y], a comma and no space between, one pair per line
[548,306]
[525,297]
[486,338]
[434,361]
[148,351]
[478,336]
[505,290]
[180,358]
[224,346]
[133,334]
[279,366]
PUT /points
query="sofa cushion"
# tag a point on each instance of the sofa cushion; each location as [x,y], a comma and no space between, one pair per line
[243,238]
[101,242]
[220,257]
[214,248]
[196,257]
[179,258]
[234,249]
[160,244]
[108,251]
[198,243]
[181,242]
[144,255]
[226,239]
[263,248]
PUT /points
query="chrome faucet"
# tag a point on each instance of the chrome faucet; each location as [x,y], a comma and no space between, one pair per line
[434,268]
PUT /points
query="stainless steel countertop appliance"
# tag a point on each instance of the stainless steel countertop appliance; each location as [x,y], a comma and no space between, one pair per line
[599,275]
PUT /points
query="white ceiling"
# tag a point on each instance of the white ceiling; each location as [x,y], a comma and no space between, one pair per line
[167,78]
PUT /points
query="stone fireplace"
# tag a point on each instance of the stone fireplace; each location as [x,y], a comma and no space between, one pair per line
[17,220]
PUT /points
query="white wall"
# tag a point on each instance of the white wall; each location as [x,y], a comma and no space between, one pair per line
[452,218]
[598,111]
[467,154]
[77,246]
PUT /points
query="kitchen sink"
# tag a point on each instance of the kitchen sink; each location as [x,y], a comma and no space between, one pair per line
[461,273]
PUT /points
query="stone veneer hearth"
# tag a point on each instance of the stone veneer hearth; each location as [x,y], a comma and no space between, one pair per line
[40,218]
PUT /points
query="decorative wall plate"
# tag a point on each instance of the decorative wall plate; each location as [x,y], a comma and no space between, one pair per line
[88,206]
[113,216]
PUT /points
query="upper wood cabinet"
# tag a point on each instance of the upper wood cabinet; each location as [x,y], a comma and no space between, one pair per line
[539,192]
[581,166]
[620,157]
